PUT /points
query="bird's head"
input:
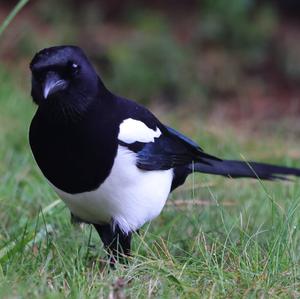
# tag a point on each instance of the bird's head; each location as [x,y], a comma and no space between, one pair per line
[64,75]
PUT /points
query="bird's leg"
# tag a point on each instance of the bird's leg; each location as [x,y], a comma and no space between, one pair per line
[115,241]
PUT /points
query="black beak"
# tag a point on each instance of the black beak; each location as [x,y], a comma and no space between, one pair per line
[53,83]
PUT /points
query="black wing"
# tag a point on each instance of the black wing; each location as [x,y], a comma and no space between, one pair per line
[171,149]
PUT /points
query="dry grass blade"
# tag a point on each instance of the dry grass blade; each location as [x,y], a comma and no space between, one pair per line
[186,203]
[197,186]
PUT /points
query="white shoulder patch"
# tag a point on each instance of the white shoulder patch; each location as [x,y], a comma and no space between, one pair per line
[132,130]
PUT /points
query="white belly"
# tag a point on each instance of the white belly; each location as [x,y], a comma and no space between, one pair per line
[129,196]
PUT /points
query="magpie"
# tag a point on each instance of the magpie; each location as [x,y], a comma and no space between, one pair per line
[108,158]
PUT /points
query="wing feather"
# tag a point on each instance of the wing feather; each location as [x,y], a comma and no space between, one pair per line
[169,150]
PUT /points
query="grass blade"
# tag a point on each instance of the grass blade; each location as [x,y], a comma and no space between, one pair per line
[12,14]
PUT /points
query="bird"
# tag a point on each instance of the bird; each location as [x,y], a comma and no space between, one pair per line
[109,158]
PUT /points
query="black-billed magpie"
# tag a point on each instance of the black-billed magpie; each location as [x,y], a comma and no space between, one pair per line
[110,159]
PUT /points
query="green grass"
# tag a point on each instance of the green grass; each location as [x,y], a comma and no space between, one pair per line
[241,240]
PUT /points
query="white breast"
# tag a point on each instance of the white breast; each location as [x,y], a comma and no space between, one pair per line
[129,196]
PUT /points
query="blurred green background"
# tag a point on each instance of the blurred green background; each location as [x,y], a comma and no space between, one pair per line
[232,61]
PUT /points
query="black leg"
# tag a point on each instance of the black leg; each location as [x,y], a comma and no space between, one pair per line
[115,241]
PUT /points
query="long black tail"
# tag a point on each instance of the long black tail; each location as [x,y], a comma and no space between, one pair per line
[241,169]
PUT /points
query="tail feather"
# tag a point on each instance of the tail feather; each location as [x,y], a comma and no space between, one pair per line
[241,169]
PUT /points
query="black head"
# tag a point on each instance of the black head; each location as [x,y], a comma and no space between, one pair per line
[63,76]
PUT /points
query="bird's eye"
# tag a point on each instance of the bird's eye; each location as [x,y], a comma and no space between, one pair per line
[73,68]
